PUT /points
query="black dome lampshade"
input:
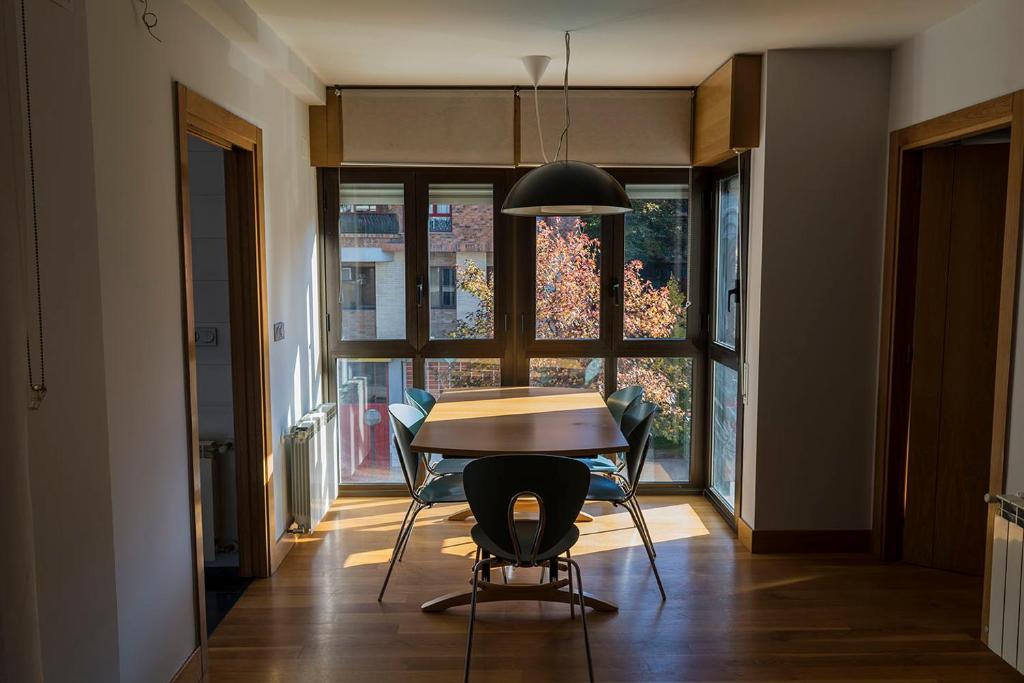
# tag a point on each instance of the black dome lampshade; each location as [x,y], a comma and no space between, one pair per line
[567,188]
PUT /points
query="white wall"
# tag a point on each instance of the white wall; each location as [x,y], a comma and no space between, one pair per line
[817,201]
[969,58]
[131,76]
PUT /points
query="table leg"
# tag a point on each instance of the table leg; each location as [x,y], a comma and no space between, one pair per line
[494,592]
[522,505]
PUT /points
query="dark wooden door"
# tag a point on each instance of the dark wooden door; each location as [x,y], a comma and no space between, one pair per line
[963,200]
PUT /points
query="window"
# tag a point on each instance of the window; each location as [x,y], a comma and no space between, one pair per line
[724,409]
[461,259]
[461,373]
[358,287]
[582,373]
[371,261]
[442,287]
[365,388]
[668,384]
[655,275]
[727,272]
[568,277]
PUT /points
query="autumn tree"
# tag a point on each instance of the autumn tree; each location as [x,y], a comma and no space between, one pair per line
[568,297]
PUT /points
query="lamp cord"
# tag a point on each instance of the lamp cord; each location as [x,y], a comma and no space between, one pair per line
[37,391]
[565,93]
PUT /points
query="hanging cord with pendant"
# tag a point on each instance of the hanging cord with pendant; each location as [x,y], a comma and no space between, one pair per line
[565,92]
[37,391]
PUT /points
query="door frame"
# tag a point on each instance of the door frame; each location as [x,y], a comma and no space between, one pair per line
[260,552]
[897,307]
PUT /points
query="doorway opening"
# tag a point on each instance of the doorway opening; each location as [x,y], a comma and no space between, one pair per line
[960,191]
[222,545]
[225,340]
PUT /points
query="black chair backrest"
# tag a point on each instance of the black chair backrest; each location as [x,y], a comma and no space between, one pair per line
[620,401]
[639,438]
[494,483]
[405,422]
[422,400]
[636,412]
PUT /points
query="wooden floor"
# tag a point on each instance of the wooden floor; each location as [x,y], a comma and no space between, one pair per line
[730,616]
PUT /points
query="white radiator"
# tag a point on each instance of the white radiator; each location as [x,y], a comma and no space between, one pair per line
[1005,627]
[313,466]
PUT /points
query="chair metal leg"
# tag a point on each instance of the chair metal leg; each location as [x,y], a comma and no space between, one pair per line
[642,528]
[572,601]
[401,553]
[647,529]
[583,614]
[650,555]
[401,529]
[472,615]
[398,551]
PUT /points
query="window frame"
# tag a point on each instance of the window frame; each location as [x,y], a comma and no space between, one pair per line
[513,342]
[716,352]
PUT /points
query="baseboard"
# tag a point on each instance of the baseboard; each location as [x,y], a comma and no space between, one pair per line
[804,540]
[192,670]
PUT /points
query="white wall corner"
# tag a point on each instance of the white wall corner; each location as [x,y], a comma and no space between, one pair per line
[237,22]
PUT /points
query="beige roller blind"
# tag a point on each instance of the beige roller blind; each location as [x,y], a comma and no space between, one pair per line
[427,126]
[610,127]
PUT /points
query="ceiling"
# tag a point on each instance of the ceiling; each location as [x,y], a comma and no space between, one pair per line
[614,42]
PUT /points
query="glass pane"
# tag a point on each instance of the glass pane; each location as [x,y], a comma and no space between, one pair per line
[371,241]
[568,277]
[460,226]
[365,388]
[727,267]
[725,395]
[668,383]
[656,262]
[458,373]
[567,372]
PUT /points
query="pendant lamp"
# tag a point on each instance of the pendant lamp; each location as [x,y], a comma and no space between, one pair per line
[565,187]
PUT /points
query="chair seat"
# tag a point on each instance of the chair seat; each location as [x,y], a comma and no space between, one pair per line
[600,464]
[605,489]
[450,465]
[526,532]
[447,489]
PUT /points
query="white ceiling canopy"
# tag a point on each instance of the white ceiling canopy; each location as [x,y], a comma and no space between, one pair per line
[615,42]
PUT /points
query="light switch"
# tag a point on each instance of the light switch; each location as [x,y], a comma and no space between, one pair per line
[278,331]
[206,336]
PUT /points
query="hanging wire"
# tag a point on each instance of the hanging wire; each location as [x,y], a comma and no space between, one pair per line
[37,390]
[149,19]
[540,131]
[565,93]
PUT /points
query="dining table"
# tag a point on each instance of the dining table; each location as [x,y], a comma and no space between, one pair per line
[475,423]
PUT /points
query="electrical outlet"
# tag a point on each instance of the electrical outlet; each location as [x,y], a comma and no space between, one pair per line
[278,331]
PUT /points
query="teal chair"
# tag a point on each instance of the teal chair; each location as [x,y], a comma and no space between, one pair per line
[619,404]
[424,401]
[405,421]
[621,491]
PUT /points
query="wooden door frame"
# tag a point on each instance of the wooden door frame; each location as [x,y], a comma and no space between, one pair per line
[893,370]
[250,358]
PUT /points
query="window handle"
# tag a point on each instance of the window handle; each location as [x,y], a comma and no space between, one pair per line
[616,291]
[419,290]
[734,292]
[505,321]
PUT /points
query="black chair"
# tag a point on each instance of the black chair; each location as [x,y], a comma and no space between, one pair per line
[621,491]
[424,402]
[619,404]
[405,421]
[493,485]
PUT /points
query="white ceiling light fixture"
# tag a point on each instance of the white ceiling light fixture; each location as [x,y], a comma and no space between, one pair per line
[572,188]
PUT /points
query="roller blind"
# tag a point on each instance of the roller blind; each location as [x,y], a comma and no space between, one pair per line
[610,127]
[428,126]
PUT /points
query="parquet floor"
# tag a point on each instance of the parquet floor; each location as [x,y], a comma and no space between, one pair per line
[730,615]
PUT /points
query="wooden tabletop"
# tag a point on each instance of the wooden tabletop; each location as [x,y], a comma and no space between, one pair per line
[478,422]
